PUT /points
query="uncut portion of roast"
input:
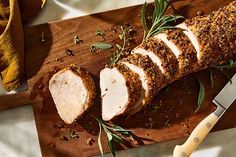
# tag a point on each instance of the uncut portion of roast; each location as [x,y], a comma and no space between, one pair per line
[73,92]
[201,42]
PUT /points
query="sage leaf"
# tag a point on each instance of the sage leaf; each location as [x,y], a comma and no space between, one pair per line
[109,136]
[111,147]
[100,45]
[117,138]
[121,130]
[201,94]
[211,78]
[143,19]
[99,139]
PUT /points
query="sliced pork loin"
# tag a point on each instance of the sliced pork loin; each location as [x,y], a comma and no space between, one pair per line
[120,90]
[201,42]
[183,49]
[150,76]
[73,92]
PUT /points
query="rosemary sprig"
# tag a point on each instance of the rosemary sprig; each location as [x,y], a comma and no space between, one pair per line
[114,133]
[143,20]
[160,22]
[115,57]
[230,64]
[201,94]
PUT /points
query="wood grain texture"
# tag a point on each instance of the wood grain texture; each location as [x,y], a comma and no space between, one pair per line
[176,106]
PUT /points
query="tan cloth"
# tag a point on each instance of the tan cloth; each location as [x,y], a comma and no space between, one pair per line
[12,39]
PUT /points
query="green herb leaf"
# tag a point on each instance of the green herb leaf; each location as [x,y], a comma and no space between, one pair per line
[231,64]
[143,20]
[118,46]
[111,131]
[120,129]
[100,32]
[211,78]
[73,134]
[201,94]
[99,139]
[110,144]
[117,138]
[77,40]
[109,136]
[111,147]
[102,45]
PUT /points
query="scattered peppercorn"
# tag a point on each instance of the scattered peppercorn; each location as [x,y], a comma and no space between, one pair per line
[69,52]
[90,141]
[64,138]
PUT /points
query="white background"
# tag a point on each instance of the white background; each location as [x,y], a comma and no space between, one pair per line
[18,136]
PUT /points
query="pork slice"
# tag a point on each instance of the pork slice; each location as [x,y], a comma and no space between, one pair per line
[155,59]
[169,43]
[183,49]
[150,76]
[156,48]
[73,91]
[120,90]
[188,32]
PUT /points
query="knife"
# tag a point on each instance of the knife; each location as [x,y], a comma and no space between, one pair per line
[223,100]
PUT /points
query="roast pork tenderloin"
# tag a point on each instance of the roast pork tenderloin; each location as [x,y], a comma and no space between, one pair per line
[200,42]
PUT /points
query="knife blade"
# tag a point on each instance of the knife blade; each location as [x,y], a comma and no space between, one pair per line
[226,97]
[223,100]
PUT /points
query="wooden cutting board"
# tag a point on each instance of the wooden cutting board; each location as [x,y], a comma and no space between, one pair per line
[173,120]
